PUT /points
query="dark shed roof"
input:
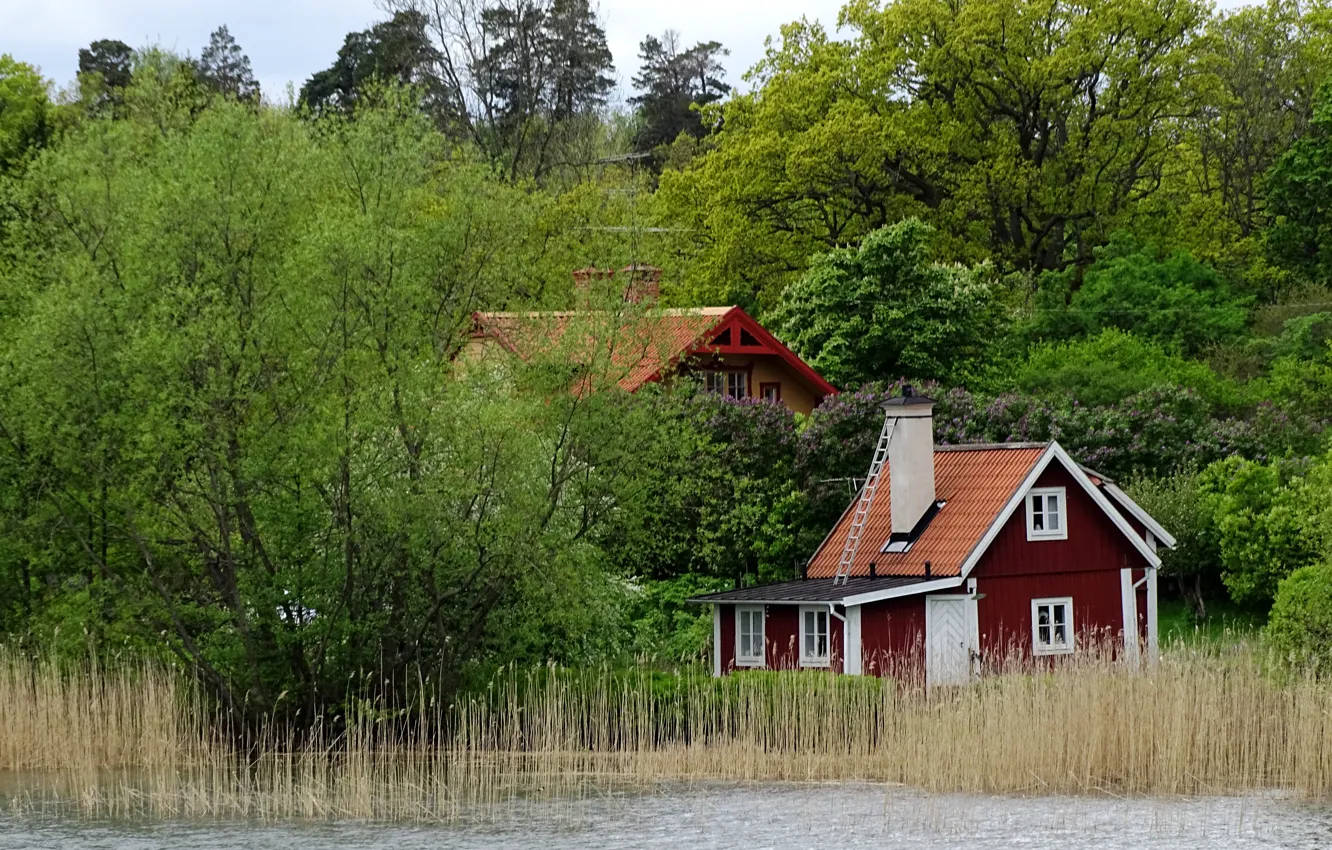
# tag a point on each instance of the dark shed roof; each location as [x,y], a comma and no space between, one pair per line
[812,590]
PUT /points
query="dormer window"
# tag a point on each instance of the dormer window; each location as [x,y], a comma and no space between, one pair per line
[730,383]
[1047,517]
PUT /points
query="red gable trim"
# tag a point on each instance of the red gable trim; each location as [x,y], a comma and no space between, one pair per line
[735,320]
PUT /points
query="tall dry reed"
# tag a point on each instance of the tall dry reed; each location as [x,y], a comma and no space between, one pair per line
[136,740]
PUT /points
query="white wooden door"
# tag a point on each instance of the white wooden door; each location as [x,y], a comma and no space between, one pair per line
[952,639]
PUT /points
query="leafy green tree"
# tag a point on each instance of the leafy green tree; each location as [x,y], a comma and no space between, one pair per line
[1263,524]
[1110,367]
[1301,196]
[25,112]
[1167,297]
[523,80]
[1176,501]
[224,67]
[675,82]
[884,310]
[106,67]
[924,111]
[233,428]
[394,51]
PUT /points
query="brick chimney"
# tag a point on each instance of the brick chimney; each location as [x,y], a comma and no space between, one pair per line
[586,281]
[910,459]
[643,285]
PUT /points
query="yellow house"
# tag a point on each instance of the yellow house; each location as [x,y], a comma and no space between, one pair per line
[725,347]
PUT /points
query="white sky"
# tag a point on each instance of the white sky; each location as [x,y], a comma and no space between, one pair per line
[288,40]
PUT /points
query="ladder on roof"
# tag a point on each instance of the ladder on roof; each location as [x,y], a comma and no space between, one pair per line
[861,515]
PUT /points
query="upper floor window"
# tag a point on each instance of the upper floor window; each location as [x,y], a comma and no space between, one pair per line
[1052,626]
[814,636]
[1047,518]
[770,392]
[749,636]
[728,383]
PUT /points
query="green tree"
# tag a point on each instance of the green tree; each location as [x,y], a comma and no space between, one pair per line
[25,112]
[884,311]
[926,110]
[523,80]
[106,67]
[1167,297]
[1176,502]
[1301,196]
[233,426]
[1110,367]
[674,82]
[1264,524]
[224,67]
[394,51]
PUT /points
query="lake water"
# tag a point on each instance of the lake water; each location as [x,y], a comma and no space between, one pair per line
[826,817]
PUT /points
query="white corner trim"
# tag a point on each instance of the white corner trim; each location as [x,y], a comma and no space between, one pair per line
[1019,497]
[1141,515]
[1128,600]
[852,651]
[716,640]
[903,590]
[1153,628]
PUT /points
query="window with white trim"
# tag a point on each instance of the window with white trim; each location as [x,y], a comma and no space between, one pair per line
[1052,626]
[749,636]
[814,636]
[1047,515]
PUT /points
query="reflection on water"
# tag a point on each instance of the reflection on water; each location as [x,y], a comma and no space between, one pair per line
[756,817]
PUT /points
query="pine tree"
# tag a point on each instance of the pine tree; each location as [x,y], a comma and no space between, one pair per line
[672,81]
[397,50]
[224,67]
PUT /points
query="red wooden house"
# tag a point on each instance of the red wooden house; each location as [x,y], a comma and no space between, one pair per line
[969,554]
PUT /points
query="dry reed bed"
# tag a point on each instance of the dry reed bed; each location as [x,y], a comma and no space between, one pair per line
[136,741]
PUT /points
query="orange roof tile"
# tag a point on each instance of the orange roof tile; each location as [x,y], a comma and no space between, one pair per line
[639,347]
[974,482]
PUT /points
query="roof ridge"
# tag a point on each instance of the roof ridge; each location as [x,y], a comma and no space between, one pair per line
[985,447]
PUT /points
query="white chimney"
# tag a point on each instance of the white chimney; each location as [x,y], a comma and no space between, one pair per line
[910,459]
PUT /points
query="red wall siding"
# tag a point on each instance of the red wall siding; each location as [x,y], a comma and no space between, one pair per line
[1094,543]
[727,637]
[781,630]
[1085,566]
[892,636]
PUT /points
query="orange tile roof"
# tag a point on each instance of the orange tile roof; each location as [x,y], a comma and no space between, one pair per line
[975,482]
[639,347]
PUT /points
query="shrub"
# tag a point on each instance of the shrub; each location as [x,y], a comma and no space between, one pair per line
[1300,628]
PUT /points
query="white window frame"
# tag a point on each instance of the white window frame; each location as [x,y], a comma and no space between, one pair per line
[1070,635]
[814,660]
[737,383]
[1061,514]
[720,382]
[751,660]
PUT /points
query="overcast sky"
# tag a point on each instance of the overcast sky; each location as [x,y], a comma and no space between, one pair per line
[288,40]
